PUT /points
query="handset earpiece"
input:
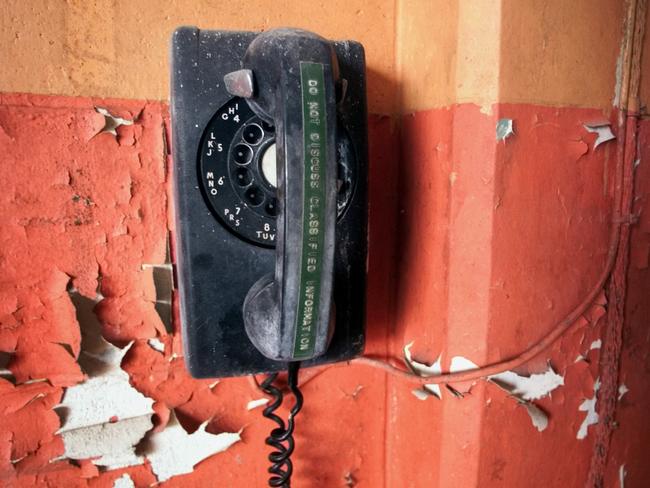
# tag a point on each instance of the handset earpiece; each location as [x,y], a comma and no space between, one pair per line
[289,79]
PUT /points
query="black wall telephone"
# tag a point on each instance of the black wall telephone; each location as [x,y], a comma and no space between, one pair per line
[270,187]
[270,168]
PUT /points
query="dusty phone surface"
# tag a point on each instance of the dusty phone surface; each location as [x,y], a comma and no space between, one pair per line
[245,109]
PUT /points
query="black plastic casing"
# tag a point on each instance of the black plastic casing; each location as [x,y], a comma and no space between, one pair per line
[215,268]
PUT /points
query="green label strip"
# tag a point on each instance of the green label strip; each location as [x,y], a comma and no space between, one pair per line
[314,124]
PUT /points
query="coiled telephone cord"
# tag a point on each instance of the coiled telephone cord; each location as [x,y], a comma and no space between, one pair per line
[281,438]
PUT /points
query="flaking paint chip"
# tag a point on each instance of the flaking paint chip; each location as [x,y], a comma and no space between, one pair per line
[256,403]
[111,122]
[460,364]
[420,394]
[424,370]
[156,344]
[597,344]
[533,387]
[523,389]
[622,473]
[537,416]
[591,417]
[622,390]
[505,129]
[603,130]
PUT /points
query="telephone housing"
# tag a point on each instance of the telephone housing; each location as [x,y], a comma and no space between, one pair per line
[226,203]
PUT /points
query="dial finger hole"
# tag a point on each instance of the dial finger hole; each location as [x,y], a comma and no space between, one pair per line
[254,196]
[243,177]
[271,207]
[253,134]
[242,154]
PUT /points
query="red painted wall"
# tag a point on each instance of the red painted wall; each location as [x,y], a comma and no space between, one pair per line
[499,241]
[86,209]
[78,206]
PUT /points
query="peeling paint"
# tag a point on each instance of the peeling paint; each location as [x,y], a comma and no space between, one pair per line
[421,369]
[524,388]
[111,445]
[111,122]
[603,130]
[350,480]
[124,481]
[521,388]
[459,364]
[75,240]
[122,280]
[537,416]
[533,387]
[157,344]
[104,417]
[505,129]
[163,283]
[421,394]
[256,403]
[591,417]
[597,344]
[622,473]
[173,451]
[622,390]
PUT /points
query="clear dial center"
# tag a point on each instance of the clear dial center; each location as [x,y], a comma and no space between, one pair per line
[268,166]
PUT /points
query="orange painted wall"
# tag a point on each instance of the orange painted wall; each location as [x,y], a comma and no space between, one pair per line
[119,48]
[477,246]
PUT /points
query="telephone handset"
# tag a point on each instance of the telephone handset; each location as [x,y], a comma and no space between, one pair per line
[270,187]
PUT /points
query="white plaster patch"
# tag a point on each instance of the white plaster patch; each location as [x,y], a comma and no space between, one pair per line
[104,417]
[622,390]
[173,451]
[124,481]
[111,445]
